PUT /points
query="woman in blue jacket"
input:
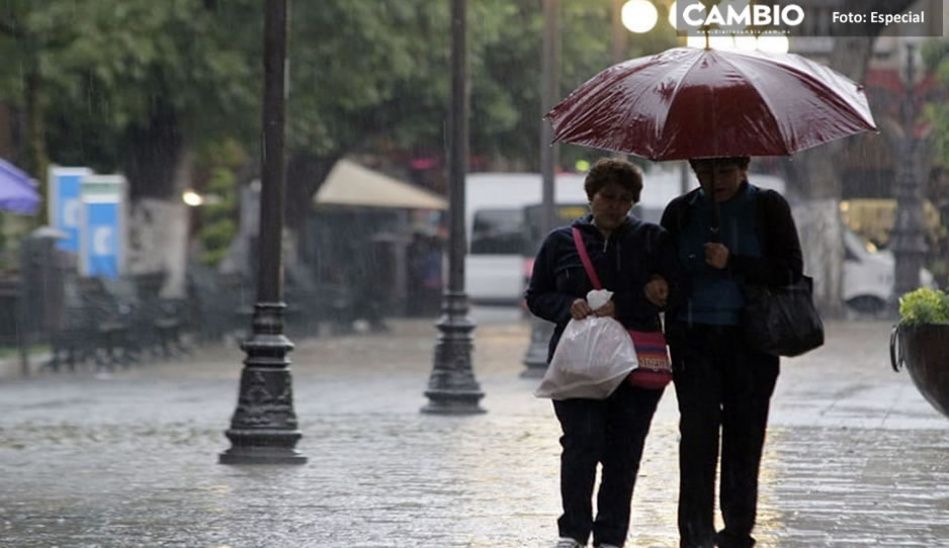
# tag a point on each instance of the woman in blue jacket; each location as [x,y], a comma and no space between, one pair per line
[727,233]
[636,261]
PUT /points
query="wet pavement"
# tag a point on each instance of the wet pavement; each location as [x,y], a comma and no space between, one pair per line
[855,456]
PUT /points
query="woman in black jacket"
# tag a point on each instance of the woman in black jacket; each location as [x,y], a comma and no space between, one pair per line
[636,261]
[727,233]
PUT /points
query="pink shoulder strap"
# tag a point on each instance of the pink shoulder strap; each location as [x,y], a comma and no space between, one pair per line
[585,259]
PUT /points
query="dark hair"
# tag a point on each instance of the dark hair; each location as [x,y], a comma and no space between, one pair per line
[614,170]
[740,161]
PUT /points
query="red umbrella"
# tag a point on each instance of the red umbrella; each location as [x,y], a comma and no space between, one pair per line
[701,103]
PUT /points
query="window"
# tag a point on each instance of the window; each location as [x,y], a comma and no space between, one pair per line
[564,214]
[498,231]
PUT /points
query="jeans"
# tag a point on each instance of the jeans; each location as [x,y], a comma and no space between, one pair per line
[610,432]
[722,386]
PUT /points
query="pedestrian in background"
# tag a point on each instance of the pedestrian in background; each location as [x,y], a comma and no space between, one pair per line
[635,260]
[727,232]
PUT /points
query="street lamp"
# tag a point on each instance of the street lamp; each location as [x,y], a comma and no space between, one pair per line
[909,243]
[264,425]
[639,16]
[535,359]
[192,198]
[452,388]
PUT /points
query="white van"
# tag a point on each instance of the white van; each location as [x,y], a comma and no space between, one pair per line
[495,224]
[501,244]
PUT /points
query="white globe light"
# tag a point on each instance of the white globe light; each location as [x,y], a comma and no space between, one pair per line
[639,16]
[672,15]
[192,198]
[773,43]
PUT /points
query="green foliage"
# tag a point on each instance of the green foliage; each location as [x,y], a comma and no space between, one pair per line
[108,70]
[365,71]
[217,218]
[125,54]
[936,58]
[924,306]
[363,74]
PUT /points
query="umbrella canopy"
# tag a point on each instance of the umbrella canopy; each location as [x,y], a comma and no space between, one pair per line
[17,193]
[702,103]
[349,183]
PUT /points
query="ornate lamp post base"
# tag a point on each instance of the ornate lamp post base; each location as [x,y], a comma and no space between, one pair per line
[452,388]
[264,426]
[281,452]
[536,357]
[453,402]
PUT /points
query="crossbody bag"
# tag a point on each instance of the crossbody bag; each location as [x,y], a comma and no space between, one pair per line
[654,370]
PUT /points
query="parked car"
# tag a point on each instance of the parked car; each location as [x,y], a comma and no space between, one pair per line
[869,275]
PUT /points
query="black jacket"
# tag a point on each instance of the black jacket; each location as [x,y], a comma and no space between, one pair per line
[782,261]
[634,252]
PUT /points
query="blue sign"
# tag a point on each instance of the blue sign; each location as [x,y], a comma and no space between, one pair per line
[65,205]
[102,239]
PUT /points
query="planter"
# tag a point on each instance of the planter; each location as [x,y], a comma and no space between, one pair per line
[924,349]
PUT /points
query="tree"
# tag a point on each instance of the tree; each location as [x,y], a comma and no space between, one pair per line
[936,60]
[369,75]
[138,86]
[816,173]
[130,85]
[936,113]
[133,87]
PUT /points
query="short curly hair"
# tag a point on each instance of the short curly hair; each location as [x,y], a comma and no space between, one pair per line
[614,170]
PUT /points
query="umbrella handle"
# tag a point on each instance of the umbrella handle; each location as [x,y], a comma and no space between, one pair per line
[714,229]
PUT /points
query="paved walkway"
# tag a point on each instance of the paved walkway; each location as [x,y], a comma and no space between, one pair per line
[855,456]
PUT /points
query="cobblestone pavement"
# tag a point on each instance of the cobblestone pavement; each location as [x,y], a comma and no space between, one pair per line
[855,456]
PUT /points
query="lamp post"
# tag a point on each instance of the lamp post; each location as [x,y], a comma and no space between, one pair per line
[535,359]
[452,388]
[909,243]
[264,426]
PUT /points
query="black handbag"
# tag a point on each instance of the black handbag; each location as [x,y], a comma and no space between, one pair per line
[782,321]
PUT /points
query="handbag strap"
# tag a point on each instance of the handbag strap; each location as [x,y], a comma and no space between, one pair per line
[585,258]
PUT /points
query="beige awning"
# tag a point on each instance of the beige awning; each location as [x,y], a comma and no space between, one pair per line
[349,183]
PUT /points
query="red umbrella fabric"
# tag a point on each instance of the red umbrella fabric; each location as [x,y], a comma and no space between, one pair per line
[703,103]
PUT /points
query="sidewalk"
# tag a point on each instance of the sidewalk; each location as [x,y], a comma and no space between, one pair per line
[855,456]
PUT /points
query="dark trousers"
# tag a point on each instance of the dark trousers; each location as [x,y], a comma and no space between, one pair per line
[610,432]
[722,386]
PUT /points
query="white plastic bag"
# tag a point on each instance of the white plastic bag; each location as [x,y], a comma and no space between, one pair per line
[592,358]
[598,297]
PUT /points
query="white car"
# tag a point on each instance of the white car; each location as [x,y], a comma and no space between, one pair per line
[869,275]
